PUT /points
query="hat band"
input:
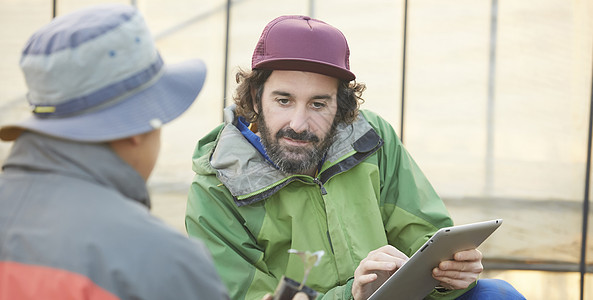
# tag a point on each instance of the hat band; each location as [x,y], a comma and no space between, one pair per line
[103,97]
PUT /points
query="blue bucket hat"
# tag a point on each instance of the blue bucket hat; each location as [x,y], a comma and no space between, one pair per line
[95,75]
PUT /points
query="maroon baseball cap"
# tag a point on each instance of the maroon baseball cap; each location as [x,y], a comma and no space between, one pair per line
[300,43]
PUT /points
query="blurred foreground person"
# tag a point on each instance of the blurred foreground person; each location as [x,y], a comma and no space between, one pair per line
[74,207]
[297,165]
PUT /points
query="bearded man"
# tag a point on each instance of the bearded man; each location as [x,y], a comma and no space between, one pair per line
[296,165]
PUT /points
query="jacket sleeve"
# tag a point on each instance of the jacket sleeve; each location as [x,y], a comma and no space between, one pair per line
[412,210]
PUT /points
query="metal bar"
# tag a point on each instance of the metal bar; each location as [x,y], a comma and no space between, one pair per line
[403,96]
[54,9]
[226,54]
[489,156]
[312,8]
[200,17]
[583,264]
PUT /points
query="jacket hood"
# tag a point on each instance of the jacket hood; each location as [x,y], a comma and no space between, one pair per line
[94,162]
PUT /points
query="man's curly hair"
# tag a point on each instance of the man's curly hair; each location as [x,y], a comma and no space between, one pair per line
[349,96]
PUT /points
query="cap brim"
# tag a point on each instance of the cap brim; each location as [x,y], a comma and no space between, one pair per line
[306,65]
[162,102]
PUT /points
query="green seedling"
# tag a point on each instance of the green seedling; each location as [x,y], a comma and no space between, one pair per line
[309,260]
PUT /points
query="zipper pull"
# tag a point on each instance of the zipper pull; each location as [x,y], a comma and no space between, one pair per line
[323,191]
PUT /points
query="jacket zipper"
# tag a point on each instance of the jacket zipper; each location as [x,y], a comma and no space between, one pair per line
[320,184]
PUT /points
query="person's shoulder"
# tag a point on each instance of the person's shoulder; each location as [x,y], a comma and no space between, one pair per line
[161,247]
[379,124]
[124,226]
[162,262]
[370,114]
[150,233]
[186,261]
[373,118]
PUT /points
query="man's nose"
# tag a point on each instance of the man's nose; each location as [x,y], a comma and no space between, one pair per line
[299,120]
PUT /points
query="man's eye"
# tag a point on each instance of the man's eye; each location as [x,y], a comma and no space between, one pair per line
[283,101]
[318,105]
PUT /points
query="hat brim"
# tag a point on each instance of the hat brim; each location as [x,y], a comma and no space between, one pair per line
[306,65]
[162,102]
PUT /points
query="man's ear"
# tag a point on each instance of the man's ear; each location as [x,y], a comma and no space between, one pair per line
[126,142]
[136,139]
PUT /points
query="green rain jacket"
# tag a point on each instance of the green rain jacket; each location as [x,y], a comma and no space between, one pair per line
[369,193]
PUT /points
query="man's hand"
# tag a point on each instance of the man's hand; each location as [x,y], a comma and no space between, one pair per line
[375,269]
[460,272]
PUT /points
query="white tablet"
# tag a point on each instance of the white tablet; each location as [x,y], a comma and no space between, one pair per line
[414,279]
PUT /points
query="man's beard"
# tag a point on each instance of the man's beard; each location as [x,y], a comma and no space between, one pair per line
[295,159]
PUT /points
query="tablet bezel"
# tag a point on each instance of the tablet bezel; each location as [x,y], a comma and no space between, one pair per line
[414,279]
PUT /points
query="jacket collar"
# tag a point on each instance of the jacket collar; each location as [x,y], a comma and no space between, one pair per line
[93,162]
[250,177]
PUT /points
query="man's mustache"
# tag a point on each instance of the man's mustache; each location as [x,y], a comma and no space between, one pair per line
[291,134]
